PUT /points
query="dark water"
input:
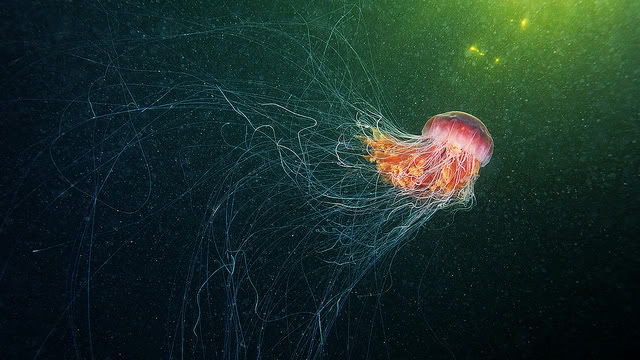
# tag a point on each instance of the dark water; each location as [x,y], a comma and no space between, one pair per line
[102,251]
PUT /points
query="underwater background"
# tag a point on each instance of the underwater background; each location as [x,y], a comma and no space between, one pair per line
[545,265]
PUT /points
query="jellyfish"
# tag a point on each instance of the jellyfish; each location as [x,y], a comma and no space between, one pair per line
[259,204]
[441,165]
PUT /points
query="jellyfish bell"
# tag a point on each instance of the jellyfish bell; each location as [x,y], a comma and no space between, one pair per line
[441,165]
[462,130]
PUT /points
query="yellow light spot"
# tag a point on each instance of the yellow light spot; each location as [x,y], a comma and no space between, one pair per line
[474,50]
[497,60]
[524,23]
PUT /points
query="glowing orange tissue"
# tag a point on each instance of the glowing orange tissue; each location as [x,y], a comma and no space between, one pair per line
[442,163]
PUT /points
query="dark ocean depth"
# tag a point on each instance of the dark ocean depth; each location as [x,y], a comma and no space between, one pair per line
[164,171]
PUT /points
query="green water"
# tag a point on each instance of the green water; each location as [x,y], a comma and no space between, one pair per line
[545,265]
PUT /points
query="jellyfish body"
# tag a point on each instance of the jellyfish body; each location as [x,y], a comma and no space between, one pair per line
[442,163]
